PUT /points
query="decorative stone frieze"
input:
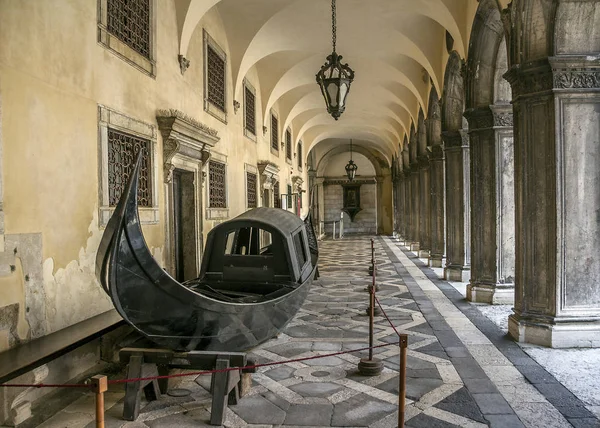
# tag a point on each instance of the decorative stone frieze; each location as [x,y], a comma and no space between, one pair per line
[503,115]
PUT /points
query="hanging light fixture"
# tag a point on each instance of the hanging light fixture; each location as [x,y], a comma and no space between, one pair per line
[335,78]
[351,167]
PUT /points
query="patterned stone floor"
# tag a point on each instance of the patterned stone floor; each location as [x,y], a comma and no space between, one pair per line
[455,375]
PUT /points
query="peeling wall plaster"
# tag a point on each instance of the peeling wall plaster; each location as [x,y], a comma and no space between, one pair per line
[73,293]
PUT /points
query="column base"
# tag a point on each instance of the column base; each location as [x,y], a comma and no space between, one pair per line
[414,246]
[435,261]
[423,254]
[573,334]
[457,273]
[493,294]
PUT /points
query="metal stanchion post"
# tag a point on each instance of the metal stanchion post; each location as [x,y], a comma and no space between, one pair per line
[402,379]
[371,366]
[99,387]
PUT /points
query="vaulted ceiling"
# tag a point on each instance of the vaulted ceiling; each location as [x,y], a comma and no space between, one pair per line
[397,49]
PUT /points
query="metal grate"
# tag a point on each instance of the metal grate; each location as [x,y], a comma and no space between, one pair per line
[288,144]
[274,132]
[276,197]
[300,155]
[250,112]
[251,189]
[215,78]
[217,185]
[122,152]
[129,21]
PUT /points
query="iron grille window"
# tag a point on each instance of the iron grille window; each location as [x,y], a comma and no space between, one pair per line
[300,155]
[288,144]
[122,152]
[274,132]
[289,196]
[217,185]
[129,21]
[276,197]
[251,189]
[250,111]
[215,78]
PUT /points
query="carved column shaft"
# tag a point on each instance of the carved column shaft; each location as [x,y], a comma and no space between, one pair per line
[557,181]
[437,206]
[458,229]
[492,202]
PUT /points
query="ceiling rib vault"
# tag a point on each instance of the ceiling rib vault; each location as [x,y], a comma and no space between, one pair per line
[397,49]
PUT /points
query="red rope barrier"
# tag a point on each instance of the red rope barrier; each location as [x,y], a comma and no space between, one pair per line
[254,366]
[386,317]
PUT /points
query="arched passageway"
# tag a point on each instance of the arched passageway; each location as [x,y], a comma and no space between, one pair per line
[489,114]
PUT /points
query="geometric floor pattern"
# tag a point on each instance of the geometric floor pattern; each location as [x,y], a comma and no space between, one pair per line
[330,392]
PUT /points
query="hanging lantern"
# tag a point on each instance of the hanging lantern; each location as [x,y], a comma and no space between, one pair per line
[351,167]
[335,78]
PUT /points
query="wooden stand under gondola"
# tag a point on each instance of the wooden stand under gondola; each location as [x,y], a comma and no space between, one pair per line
[226,387]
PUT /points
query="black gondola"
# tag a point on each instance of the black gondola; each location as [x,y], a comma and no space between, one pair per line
[256,272]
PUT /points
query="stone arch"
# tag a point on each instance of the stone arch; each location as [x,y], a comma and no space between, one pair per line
[375,157]
[422,135]
[453,97]
[434,124]
[486,37]
[489,115]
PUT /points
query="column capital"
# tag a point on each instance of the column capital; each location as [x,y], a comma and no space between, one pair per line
[575,72]
[455,139]
[503,115]
[423,161]
[479,118]
[437,153]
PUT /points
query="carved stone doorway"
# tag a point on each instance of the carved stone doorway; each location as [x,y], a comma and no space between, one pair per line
[185,251]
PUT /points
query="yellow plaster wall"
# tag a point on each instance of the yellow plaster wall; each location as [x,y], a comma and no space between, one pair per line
[53,76]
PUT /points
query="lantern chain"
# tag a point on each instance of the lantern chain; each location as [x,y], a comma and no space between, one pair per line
[333,26]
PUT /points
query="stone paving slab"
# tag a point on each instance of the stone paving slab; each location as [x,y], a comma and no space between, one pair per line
[456,375]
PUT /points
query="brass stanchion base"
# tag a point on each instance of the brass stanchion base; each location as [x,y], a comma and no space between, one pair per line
[369,287]
[368,367]
[371,270]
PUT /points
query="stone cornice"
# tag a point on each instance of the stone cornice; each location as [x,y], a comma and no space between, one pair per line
[342,182]
[185,129]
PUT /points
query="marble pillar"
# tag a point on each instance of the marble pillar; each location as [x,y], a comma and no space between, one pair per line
[492,205]
[437,206]
[458,229]
[557,190]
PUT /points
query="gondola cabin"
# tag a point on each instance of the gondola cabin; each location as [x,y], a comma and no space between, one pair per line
[260,252]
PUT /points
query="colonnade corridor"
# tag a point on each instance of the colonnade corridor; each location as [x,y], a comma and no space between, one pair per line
[462,370]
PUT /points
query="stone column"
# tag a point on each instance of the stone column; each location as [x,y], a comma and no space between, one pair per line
[458,229]
[415,222]
[415,191]
[424,207]
[406,198]
[492,205]
[557,182]
[437,206]
[320,201]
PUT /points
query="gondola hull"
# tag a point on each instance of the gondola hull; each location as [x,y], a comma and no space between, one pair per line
[172,314]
